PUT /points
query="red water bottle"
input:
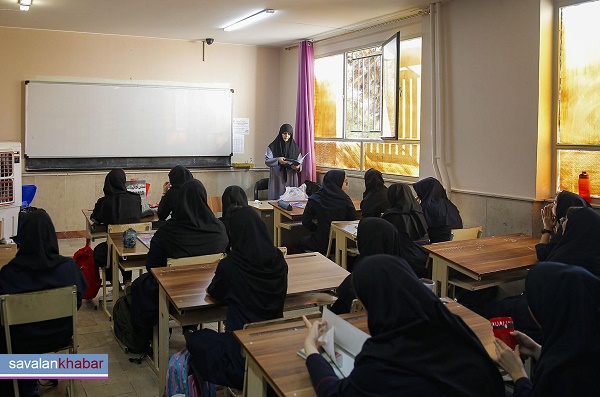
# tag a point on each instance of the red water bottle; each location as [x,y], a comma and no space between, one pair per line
[584,186]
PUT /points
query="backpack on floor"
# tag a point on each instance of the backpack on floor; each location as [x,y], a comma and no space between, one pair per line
[182,380]
[85,260]
[124,330]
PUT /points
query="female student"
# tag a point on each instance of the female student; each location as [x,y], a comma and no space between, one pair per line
[373,236]
[252,279]
[38,266]
[417,347]
[283,173]
[552,216]
[406,214]
[116,207]
[177,177]
[440,213]
[193,230]
[330,203]
[233,198]
[375,200]
[565,301]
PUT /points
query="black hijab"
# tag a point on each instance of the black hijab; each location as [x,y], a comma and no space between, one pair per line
[193,225]
[375,200]
[331,196]
[178,176]
[281,148]
[564,201]
[565,301]
[114,183]
[437,209]
[233,197]
[261,266]
[408,213]
[412,331]
[579,243]
[377,236]
[39,246]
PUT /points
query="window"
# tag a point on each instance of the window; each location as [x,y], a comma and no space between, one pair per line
[578,121]
[368,108]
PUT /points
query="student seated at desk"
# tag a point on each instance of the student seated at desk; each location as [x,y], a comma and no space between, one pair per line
[417,347]
[117,206]
[330,203]
[177,177]
[252,279]
[233,198]
[406,214]
[38,266]
[552,218]
[565,301]
[192,231]
[578,246]
[373,236]
[440,213]
[375,199]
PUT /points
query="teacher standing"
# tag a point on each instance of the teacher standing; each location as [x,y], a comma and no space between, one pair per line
[282,173]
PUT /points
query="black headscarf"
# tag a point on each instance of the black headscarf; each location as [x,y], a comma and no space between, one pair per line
[437,209]
[377,236]
[412,331]
[375,200]
[114,183]
[565,301]
[192,225]
[331,196]
[261,266]
[39,246]
[233,197]
[409,217]
[281,148]
[579,242]
[564,201]
[178,176]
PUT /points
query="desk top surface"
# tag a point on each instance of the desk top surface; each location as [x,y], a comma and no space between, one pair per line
[489,254]
[98,227]
[260,205]
[298,211]
[116,239]
[348,227]
[274,348]
[186,285]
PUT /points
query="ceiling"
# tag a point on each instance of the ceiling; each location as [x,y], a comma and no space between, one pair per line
[293,21]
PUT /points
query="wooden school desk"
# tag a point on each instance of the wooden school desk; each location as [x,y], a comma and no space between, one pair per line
[342,232]
[95,230]
[183,295]
[284,219]
[271,352]
[481,263]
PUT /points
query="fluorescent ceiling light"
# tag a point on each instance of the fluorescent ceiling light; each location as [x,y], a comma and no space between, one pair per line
[23,8]
[25,2]
[251,19]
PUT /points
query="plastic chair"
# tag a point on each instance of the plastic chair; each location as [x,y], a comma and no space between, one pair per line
[261,184]
[28,193]
[32,307]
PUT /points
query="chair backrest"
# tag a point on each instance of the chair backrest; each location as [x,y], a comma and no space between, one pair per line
[282,320]
[138,227]
[195,260]
[215,203]
[31,307]
[467,234]
[261,184]
[283,250]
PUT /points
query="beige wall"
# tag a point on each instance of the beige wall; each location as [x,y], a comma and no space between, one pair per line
[253,72]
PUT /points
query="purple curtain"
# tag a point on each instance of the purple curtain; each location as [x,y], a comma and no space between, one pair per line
[305,109]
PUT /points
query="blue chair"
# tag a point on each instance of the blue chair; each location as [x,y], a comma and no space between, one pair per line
[28,192]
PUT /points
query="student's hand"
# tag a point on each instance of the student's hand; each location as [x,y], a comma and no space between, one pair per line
[282,160]
[548,218]
[166,186]
[315,330]
[527,346]
[509,360]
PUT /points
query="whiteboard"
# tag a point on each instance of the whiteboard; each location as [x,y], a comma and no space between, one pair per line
[75,120]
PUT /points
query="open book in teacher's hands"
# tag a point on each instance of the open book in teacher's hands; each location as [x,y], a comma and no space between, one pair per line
[297,162]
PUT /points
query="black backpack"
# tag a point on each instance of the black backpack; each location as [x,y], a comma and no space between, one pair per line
[124,330]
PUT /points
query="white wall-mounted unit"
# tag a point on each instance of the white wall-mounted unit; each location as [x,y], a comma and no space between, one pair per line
[10,187]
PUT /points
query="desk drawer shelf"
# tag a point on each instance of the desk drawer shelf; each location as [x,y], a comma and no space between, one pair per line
[473,285]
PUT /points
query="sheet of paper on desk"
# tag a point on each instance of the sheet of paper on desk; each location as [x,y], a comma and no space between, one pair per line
[298,204]
[145,238]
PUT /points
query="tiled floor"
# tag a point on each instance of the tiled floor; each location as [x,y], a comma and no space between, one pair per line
[125,379]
